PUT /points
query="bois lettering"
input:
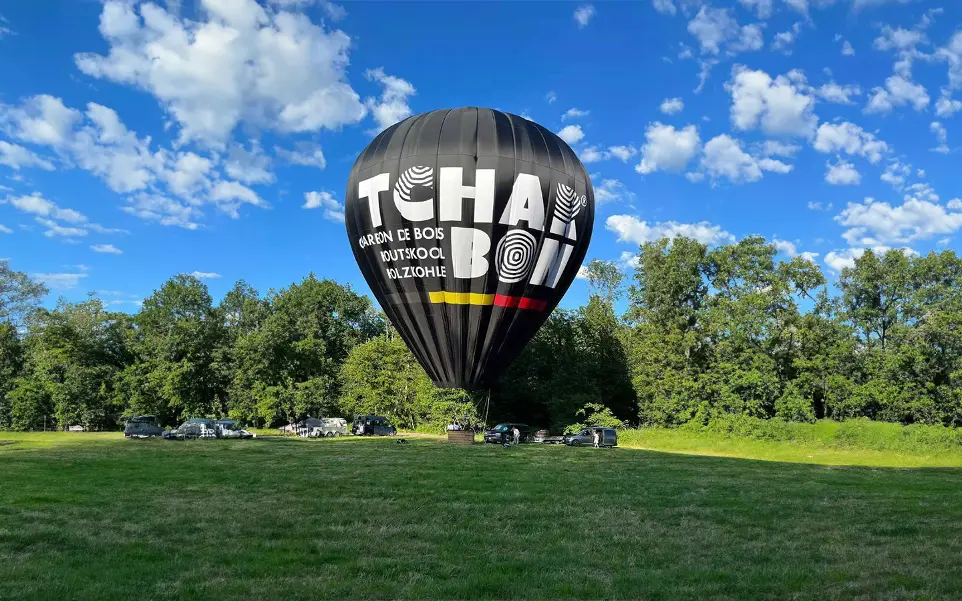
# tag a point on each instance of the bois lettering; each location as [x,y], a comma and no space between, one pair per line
[454,226]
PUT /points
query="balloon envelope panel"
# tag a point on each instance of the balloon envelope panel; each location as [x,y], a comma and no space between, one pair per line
[469,225]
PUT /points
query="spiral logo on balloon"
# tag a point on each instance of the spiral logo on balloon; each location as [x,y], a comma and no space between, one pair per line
[567,203]
[414,176]
[515,255]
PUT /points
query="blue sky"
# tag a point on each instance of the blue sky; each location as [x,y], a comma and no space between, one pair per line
[142,140]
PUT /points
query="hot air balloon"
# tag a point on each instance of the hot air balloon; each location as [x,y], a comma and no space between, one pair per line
[469,225]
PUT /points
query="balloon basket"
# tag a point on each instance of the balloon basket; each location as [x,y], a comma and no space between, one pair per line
[462,437]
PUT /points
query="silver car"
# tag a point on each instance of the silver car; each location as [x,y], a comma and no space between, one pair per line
[586,438]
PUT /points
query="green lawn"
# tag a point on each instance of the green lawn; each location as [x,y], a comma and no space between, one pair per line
[99,517]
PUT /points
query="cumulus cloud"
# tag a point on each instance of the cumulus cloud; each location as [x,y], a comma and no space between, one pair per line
[667,148]
[572,134]
[631,229]
[842,173]
[36,204]
[392,105]
[851,139]
[17,157]
[611,190]
[333,210]
[584,14]
[898,91]
[304,153]
[59,281]
[784,246]
[205,275]
[941,135]
[839,94]
[839,260]
[238,62]
[848,49]
[779,106]
[762,8]
[672,106]
[574,113]
[106,248]
[946,106]
[873,223]
[665,7]
[622,153]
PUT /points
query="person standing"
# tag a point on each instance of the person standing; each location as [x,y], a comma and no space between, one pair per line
[597,438]
[517,434]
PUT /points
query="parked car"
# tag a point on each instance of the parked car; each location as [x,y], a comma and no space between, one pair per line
[195,427]
[142,426]
[372,425]
[313,427]
[545,437]
[228,428]
[585,438]
[503,433]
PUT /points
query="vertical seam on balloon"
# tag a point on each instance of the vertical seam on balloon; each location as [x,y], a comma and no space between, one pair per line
[407,308]
[437,223]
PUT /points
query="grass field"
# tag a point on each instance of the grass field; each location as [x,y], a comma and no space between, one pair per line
[94,516]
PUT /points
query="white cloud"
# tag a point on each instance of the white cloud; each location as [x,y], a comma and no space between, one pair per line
[780,106]
[848,49]
[611,190]
[392,106]
[583,14]
[955,204]
[623,153]
[593,154]
[842,173]
[248,166]
[809,256]
[42,120]
[36,204]
[952,54]
[304,153]
[851,139]
[228,196]
[712,27]
[106,248]
[839,260]
[750,38]
[833,92]
[551,97]
[946,106]
[724,157]
[205,275]
[333,210]
[763,8]
[5,230]
[667,148]
[898,91]
[16,157]
[59,281]
[164,210]
[574,113]
[572,134]
[188,175]
[774,165]
[672,106]
[630,229]
[873,223]
[778,148]
[784,246]
[55,230]
[895,173]
[582,273]
[819,206]
[237,62]
[941,135]
[665,7]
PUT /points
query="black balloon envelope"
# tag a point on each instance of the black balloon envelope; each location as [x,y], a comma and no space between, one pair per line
[469,225]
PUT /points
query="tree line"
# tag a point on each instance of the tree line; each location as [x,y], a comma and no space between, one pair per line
[691,334]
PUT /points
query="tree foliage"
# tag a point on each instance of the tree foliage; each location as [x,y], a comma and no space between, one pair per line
[689,335]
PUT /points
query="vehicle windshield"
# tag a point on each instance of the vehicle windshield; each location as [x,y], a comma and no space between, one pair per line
[501,427]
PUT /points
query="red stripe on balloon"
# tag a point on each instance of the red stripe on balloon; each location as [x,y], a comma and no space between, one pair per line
[521,302]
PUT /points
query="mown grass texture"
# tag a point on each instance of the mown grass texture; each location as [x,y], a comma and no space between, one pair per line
[99,517]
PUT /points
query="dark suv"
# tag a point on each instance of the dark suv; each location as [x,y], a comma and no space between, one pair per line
[502,433]
[372,425]
[142,426]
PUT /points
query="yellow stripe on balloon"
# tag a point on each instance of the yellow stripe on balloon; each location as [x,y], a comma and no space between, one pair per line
[461,298]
